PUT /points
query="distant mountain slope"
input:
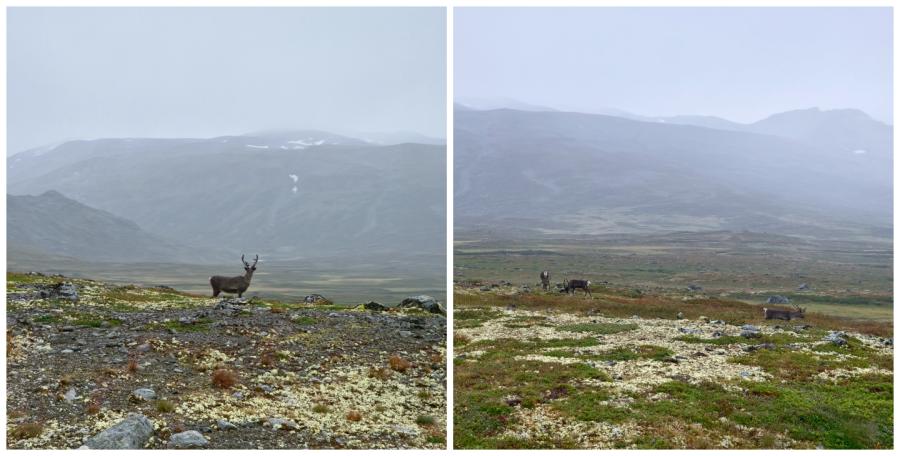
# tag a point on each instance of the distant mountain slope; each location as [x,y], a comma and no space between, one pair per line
[570,172]
[52,225]
[282,194]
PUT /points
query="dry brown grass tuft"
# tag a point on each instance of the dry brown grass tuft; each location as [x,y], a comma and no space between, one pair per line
[399,364]
[27,431]
[66,380]
[437,358]
[9,343]
[381,373]
[224,378]
[132,366]
[354,416]
[268,359]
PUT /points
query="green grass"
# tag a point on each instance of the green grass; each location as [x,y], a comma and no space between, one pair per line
[473,318]
[653,352]
[304,320]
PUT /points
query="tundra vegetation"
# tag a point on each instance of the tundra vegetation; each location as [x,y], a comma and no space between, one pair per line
[218,372]
[651,362]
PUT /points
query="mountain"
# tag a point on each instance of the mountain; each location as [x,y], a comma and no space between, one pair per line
[282,194]
[52,225]
[489,103]
[559,172]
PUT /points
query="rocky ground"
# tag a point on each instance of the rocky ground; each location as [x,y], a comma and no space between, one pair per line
[156,368]
[543,370]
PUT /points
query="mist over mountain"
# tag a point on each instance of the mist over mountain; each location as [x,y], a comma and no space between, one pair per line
[285,194]
[808,172]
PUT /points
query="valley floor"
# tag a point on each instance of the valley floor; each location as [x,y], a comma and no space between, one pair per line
[243,373]
[536,369]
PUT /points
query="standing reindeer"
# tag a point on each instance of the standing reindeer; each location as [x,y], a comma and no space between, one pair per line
[545,280]
[778,314]
[574,284]
[238,284]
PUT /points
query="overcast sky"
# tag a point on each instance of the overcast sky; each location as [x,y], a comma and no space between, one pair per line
[739,63]
[202,72]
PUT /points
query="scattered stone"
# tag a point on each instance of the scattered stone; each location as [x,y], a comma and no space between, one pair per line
[316,299]
[405,431]
[704,319]
[187,439]
[689,331]
[838,338]
[717,334]
[131,433]
[750,332]
[374,306]
[70,395]
[283,423]
[694,287]
[803,287]
[679,316]
[143,394]
[426,303]
[406,334]
[717,322]
[753,348]
[224,425]
[778,299]
[513,400]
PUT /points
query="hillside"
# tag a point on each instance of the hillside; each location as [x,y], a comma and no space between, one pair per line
[52,225]
[109,366]
[545,173]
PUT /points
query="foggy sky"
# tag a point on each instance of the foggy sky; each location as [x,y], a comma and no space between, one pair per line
[739,63]
[203,72]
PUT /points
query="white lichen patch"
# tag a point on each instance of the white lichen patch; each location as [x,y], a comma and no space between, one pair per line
[388,407]
[21,346]
[836,375]
[208,360]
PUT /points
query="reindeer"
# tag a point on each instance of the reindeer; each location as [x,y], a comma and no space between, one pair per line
[545,280]
[238,284]
[778,314]
[574,284]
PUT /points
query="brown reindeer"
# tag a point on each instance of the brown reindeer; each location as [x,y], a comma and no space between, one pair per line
[238,284]
[778,314]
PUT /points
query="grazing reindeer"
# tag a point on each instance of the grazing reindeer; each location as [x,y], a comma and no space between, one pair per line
[574,284]
[778,314]
[238,284]
[545,280]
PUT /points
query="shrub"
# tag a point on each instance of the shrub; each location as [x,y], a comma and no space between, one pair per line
[224,378]
[381,373]
[320,408]
[164,406]
[354,416]
[425,420]
[399,364]
[132,366]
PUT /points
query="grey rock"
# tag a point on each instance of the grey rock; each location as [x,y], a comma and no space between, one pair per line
[374,306]
[838,338]
[679,316]
[187,439]
[405,431]
[424,302]
[70,395]
[405,334]
[316,299]
[283,423]
[803,287]
[778,299]
[131,433]
[143,394]
[746,333]
[225,425]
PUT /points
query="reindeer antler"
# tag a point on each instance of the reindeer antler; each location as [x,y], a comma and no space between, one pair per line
[246,264]
[256,260]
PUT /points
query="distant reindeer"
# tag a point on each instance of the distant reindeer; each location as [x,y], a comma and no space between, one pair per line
[545,280]
[574,284]
[238,284]
[778,314]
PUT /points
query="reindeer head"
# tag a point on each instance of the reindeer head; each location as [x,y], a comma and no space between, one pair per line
[799,312]
[249,268]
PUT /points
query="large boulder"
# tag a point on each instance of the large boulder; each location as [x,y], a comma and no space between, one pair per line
[426,303]
[131,433]
[372,305]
